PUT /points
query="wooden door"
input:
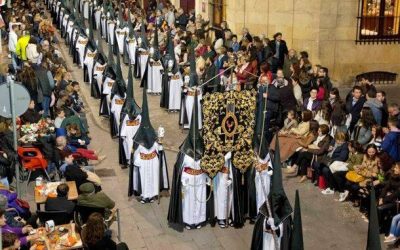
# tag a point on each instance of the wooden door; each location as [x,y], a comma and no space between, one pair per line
[218,9]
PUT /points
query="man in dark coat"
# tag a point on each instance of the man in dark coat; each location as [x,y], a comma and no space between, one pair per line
[354,106]
[181,20]
[61,202]
[279,51]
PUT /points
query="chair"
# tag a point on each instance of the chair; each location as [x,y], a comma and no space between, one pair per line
[59,217]
[32,159]
[82,214]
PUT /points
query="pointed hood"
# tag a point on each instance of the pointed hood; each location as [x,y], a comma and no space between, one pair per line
[100,50]
[91,34]
[120,86]
[297,234]
[130,25]
[146,135]
[118,64]
[121,20]
[143,36]
[156,47]
[170,56]
[373,241]
[193,145]
[194,79]
[130,106]
[110,56]
[280,205]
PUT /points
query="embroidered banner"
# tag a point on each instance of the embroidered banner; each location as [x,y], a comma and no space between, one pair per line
[228,126]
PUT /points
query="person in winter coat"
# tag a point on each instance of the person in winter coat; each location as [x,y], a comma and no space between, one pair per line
[32,53]
[22,43]
[362,131]
[46,82]
[391,141]
[375,105]
[338,151]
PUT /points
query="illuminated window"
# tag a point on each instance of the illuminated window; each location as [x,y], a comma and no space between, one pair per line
[378,21]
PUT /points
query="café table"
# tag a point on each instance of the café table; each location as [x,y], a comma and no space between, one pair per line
[53,240]
[72,194]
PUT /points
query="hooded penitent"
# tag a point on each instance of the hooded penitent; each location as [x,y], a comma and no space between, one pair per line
[143,37]
[194,78]
[130,106]
[373,241]
[146,135]
[193,145]
[296,242]
[156,49]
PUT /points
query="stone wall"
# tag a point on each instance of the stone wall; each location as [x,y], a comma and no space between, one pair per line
[324,28]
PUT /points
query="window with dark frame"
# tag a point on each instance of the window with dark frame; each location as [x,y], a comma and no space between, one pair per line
[378,21]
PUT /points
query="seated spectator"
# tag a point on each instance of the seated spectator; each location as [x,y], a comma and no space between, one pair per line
[312,103]
[391,142]
[394,232]
[362,132]
[75,137]
[21,232]
[59,118]
[10,241]
[61,202]
[377,136]
[338,152]
[89,198]
[71,170]
[291,144]
[96,237]
[76,99]
[323,115]
[319,148]
[364,173]
[340,168]
[31,115]
[304,126]
[61,144]
[290,121]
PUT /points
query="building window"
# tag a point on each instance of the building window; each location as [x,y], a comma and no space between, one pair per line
[378,21]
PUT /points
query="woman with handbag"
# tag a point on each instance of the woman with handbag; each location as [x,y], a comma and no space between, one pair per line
[363,174]
[316,150]
[338,151]
[339,169]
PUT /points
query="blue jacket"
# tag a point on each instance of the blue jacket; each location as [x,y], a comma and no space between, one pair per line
[341,153]
[391,145]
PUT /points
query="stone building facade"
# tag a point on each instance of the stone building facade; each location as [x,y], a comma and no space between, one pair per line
[327,29]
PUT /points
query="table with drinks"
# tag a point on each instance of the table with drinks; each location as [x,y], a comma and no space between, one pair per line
[49,189]
[62,237]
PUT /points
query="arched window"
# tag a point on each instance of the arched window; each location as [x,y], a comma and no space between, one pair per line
[378,21]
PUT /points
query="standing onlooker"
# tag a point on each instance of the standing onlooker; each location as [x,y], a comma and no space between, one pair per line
[381,97]
[181,19]
[362,132]
[391,142]
[375,105]
[354,106]
[22,43]
[279,51]
[12,45]
[312,103]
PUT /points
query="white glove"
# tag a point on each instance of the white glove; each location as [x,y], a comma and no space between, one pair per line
[160,147]
[228,183]
[271,222]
